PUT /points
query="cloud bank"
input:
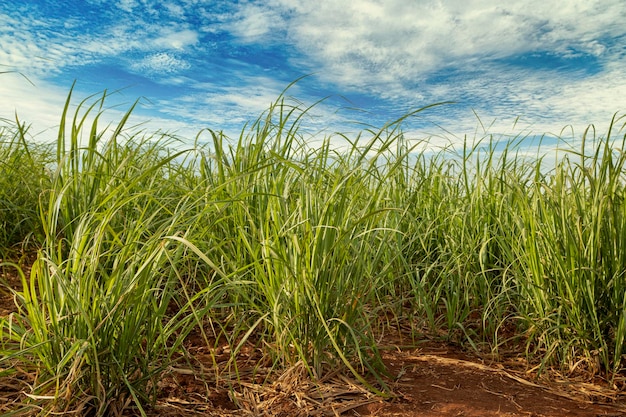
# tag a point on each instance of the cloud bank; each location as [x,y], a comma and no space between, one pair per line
[210,63]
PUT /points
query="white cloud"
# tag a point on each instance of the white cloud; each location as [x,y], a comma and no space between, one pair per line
[229,108]
[42,47]
[391,49]
[175,10]
[127,5]
[160,63]
[26,45]
[229,105]
[254,22]
[175,39]
[396,49]
[395,40]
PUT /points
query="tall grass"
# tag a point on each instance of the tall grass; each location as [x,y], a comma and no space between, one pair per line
[572,244]
[303,231]
[23,179]
[308,252]
[93,323]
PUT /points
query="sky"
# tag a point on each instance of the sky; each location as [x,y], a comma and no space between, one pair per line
[509,68]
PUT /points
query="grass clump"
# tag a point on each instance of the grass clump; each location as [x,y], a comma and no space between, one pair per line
[572,246]
[24,177]
[94,322]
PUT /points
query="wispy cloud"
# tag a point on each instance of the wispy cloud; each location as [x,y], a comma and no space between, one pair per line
[216,63]
[172,38]
[470,51]
[227,106]
[160,63]
[402,40]
[255,22]
[42,45]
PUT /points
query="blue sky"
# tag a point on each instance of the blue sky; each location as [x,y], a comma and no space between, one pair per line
[528,66]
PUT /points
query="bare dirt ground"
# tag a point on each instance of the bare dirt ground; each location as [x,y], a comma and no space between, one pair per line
[433,379]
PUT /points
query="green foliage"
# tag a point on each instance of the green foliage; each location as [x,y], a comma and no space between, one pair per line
[93,321]
[307,250]
[573,258]
[23,181]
